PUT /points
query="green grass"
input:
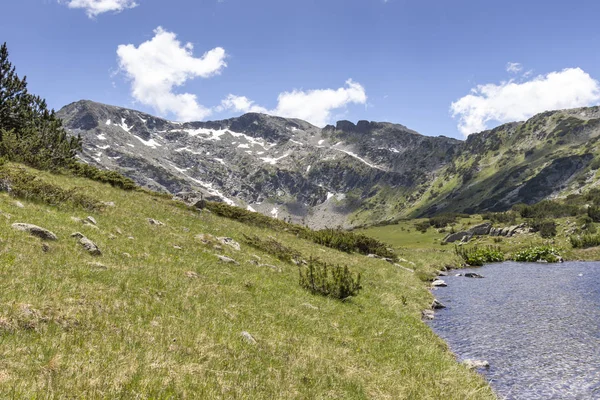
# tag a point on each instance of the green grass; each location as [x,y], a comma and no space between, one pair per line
[156,321]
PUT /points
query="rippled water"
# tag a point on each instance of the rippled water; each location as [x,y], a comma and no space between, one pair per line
[538,325]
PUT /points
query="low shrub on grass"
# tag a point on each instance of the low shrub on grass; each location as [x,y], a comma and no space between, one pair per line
[334,238]
[329,280]
[545,227]
[111,177]
[477,256]
[508,217]
[22,184]
[538,253]
[585,241]
[273,247]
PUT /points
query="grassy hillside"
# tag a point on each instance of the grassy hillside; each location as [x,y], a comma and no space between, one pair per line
[158,315]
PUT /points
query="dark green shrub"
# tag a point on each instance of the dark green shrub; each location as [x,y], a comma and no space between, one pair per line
[422,226]
[329,280]
[477,256]
[273,247]
[334,238]
[105,176]
[585,241]
[594,213]
[508,217]
[537,253]
[546,228]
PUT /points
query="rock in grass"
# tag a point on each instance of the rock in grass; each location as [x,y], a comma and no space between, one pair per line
[474,364]
[227,241]
[228,260]
[91,220]
[18,204]
[248,338]
[427,314]
[155,222]
[192,275]
[438,283]
[87,244]
[35,230]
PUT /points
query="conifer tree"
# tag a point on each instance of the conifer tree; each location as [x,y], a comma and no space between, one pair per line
[29,132]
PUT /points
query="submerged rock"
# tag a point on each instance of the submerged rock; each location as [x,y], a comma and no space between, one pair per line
[427,314]
[473,275]
[437,305]
[474,364]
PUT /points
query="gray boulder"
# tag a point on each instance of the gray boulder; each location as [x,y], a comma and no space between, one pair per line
[228,260]
[227,241]
[458,236]
[474,364]
[35,230]
[481,229]
[439,283]
[87,244]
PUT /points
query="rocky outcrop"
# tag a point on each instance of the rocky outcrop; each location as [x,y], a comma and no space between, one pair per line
[510,230]
[35,230]
[457,237]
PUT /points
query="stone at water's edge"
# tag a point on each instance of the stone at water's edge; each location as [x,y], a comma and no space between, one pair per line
[474,364]
[438,283]
[35,230]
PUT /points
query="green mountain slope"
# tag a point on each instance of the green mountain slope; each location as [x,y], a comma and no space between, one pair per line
[158,315]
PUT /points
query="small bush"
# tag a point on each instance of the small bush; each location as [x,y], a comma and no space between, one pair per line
[111,177]
[594,213]
[585,241]
[477,256]
[329,280]
[422,226]
[273,247]
[537,253]
[546,228]
[508,217]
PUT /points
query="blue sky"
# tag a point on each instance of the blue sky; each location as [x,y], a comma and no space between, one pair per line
[412,62]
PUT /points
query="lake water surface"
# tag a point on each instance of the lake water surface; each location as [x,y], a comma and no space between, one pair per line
[538,325]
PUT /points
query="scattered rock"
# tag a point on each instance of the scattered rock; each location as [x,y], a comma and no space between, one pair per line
[192,275]
[458,236]
[474,364]
[308,305]
[205,238]
[404,268]
[372,256]
[127,255]
[35,230]
[130,238]
[427,314]
[18,204]
[155,222]
[45,247]
[178,247]
[87,244]
[436,304]
[442,273]
[119,231]
[438,283]
[108,203]
[273,267]
[472,275]
[91,220]
[227,241]
[228,260]
[248,338]
[458,275]
[97,265]
[111,236]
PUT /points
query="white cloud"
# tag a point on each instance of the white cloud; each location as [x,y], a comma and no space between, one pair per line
[240,104]
[159,65]
[314,106]
[95,7]
[514,67]
[515,101]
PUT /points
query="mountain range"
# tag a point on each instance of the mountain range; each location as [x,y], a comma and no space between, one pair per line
[344,175]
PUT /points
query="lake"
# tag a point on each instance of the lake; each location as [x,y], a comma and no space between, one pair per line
[538,325]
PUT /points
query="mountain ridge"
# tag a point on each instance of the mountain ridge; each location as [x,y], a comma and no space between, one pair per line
[344,174]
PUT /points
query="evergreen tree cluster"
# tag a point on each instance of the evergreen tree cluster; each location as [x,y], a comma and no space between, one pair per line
[29,132]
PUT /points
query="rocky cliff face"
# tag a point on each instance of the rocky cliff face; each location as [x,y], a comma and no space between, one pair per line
[345,174]
[282,167]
